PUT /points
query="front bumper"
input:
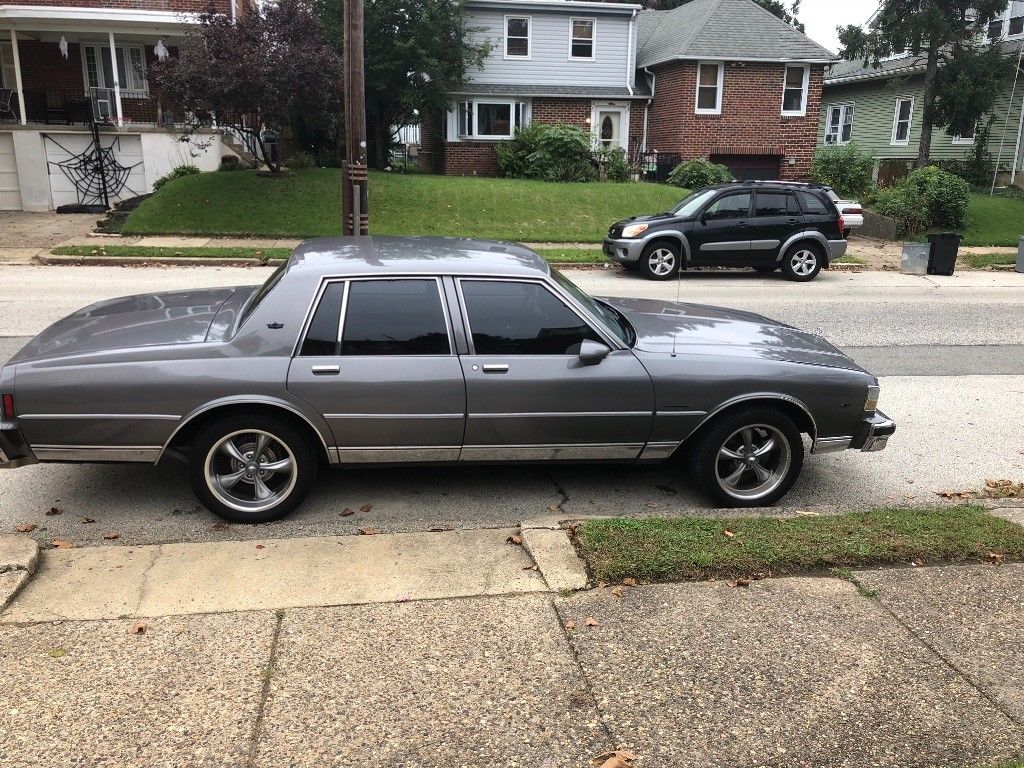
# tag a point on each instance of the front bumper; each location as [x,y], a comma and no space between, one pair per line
[14,451]
[837,249]
[623,250]
[874,433]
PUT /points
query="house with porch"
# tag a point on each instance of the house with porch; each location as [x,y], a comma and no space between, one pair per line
[74,89]
[881,109]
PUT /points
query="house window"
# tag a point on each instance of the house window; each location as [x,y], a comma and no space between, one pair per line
[581,38]
[491,119]
[839,128]
[901,121]
[1016,18]
[131,69]
[965,138]
[517,37]
[7,79]
[710,77]
[794,90]
[995,29]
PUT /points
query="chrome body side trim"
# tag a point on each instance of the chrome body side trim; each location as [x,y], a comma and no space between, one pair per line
[132,416]
[831,444]
[689,414]
[659,451]
[398,454]
[581,452]
[395,415]
[119,453]
[555,414]
[760,396]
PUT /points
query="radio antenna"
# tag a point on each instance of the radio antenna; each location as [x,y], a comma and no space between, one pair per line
[679,286]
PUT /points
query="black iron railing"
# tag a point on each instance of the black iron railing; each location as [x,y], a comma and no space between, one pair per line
[52,106]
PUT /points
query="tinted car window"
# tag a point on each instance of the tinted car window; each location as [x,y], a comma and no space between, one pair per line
[394,317]
[792,207]
[812,204]
[729,207]
[509,318]
[322,336]
[771,203]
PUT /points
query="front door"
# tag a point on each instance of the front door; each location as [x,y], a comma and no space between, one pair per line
[377,361]
[721,234]
[529,397]
[776,217]
[609,128]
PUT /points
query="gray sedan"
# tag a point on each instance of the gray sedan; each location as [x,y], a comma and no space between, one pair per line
[419,351]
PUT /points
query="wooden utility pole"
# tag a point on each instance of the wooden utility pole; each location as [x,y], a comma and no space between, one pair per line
[354,198]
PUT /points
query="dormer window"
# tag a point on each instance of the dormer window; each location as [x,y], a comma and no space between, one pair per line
[517,37]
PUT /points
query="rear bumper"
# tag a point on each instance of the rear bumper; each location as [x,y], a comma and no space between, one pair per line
[837,249]
[874,433]
[14,451]
[622,250]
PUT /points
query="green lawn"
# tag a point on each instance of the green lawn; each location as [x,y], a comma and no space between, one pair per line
[307,204]
[982,260]
[994,221]
[687,548]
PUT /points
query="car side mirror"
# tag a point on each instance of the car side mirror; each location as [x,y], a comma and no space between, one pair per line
[593,352]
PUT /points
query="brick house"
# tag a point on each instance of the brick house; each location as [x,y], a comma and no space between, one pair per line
[732,82]
[67,63]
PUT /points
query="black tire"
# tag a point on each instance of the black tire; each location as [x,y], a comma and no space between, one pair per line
[661,260]
[765,269]
[784,462]
[283,439]
[802,262]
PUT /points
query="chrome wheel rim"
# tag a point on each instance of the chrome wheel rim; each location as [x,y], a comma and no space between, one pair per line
[251,470]
[661,261]
[753,462]
[803,262]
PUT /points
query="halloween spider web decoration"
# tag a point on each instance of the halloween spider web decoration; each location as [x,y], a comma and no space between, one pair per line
[96,173]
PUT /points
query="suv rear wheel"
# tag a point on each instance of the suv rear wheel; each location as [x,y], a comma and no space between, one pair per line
[660,260]
[802,262]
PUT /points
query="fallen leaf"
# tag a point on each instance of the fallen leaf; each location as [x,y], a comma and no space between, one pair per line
[111,535]
[366,507]
[620,758]
[591,621]
[740,583]
[617,591]
[62,544]
[514,539]
[996,558]
[570,624]
[403,599]
[368,531]
[26,528]
[602,584]
[552,507]
[84,519]
[139,628]
[55,511]
[629,581]
[530,568]
[729,534]
[261,546]
[807,513]
[347,512]
[57,652]
[219,527]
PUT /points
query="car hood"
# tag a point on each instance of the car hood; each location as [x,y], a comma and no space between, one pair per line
[617,227]
[148,319]
[700,329]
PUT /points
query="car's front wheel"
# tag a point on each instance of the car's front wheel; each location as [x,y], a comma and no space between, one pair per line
[660,260]
[748,458]
[251,469]
[802,262]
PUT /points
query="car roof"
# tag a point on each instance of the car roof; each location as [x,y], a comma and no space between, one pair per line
[415,255]
[769,184]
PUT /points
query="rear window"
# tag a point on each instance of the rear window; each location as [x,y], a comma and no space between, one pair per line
[261,293]
[812,203]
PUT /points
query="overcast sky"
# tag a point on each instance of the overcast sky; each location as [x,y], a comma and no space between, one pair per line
[823,16]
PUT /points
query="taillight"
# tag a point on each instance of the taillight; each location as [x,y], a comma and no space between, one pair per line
[842,224]
[857,211]
[8,400]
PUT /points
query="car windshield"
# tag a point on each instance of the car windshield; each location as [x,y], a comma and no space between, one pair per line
[260,294]
[693,203]
[611,319]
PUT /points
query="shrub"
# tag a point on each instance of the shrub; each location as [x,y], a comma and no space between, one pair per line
[230,163]
[906,205]
[615,166]
[699,173]
[513,156]
[300,161]
[548,153]
[946,197]
[847,169]
[177,173]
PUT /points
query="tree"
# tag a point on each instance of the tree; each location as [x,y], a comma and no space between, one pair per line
[255,75]
[960,80]
[416,55]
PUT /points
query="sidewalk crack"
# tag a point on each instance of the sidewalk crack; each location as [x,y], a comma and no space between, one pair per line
[144,580]
[268,674]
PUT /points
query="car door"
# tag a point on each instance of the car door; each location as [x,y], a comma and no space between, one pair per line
[529,396]
[378,361]
[776,217]
[721,232]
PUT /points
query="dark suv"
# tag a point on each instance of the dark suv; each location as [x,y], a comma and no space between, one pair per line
[760,224]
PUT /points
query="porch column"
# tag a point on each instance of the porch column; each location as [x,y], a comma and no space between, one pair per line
[17,77]
[117,83]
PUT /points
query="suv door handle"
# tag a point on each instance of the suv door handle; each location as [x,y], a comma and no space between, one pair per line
[793,221]
[326,370]
[496,368]
[743,223]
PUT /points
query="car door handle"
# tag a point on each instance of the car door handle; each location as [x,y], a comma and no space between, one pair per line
[743,224]
[496,368]
[326,370]
[792,221]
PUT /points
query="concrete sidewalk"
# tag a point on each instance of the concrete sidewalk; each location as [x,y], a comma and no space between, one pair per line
[495,669]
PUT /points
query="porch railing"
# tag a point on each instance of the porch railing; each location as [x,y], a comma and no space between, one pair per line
[53,106]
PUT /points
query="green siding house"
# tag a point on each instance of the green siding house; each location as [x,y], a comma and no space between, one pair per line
[880,109]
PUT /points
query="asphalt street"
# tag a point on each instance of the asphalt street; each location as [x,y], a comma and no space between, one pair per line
[950,352]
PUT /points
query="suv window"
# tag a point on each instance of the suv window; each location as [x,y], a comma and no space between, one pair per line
[510,318]
[322,337]
[773,203]
[394,317]
[812,203]
[729,207]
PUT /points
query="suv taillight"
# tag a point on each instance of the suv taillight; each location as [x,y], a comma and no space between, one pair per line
[8,409]
[842,225]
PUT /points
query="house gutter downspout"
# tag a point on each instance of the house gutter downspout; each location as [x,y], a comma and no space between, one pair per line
[630,66]
[647,106]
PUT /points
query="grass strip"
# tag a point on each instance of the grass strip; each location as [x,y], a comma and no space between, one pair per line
[164,252]
[982,260]
[693,548]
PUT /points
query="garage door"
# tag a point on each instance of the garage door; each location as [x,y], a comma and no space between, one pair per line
[750,167]
[10,191]
[73,182]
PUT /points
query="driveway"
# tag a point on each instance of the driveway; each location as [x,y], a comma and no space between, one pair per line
[23,230]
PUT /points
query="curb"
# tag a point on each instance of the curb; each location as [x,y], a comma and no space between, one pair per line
[19,559]
[147,261]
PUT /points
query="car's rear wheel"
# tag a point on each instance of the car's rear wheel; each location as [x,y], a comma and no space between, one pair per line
[251,469]
[748,458]
[802,262]
[660,260]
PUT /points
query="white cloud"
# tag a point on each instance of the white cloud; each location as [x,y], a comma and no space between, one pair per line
[823,16]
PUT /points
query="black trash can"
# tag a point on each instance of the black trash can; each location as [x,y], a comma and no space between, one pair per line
[944,249]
